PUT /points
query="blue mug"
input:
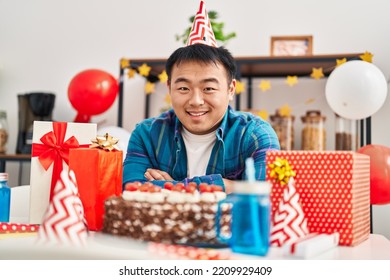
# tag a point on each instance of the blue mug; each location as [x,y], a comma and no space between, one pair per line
[250,210]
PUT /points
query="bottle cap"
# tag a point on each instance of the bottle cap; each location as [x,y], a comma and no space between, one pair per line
[257,187]
[3,176]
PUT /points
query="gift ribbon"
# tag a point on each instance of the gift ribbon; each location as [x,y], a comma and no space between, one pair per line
[281,171]
[106,142]
[55,150]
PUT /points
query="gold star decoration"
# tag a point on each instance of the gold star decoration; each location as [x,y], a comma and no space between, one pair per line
[317,73]
[263,114]
[131,73]
[149,87]
[144,70]
[292,80]
[125,63]
[265,85]
[340,61]
[163,77]
[367,56]
[285,111]
[240,87]
[106,142]
[167,99]
[309,101]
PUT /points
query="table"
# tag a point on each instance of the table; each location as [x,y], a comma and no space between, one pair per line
[102,246]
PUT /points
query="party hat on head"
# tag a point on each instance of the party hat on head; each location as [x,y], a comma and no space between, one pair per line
[201,31]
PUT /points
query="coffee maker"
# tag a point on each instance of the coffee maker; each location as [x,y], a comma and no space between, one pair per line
[33,106]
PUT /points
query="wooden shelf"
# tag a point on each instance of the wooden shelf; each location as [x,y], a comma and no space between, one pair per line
[12,157]
[277,66]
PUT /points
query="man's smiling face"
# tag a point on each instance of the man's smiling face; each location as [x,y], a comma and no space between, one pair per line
[200,94]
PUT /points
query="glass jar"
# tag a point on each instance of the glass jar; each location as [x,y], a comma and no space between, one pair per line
[346,136]
[5,198]
[313,132]
[3,132]
[284,128]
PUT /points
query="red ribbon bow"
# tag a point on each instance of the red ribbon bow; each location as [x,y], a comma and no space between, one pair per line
[55,150]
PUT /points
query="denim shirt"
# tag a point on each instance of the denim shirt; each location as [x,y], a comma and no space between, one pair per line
[157,143]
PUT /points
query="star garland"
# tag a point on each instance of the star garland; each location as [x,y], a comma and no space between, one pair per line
[264,85]
[240,87]
[149,87]
[292,80]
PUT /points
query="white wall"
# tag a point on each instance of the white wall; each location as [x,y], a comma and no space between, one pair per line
[44,43]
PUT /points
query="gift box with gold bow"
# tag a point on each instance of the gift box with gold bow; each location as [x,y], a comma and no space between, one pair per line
[334,190]
[98,171]
[50,155]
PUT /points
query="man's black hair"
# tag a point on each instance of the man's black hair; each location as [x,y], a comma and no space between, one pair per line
[203,54]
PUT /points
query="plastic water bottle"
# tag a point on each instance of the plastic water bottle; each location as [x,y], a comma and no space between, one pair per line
[5,197]
[251,215]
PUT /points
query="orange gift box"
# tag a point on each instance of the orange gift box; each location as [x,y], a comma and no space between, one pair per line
[99,176]
[334,189]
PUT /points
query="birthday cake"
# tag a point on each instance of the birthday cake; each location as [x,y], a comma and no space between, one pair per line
[173,214]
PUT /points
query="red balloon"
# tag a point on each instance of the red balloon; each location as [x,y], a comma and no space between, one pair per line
[92,92]
[380,172]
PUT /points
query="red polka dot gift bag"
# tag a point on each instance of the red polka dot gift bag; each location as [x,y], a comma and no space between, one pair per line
[334,191]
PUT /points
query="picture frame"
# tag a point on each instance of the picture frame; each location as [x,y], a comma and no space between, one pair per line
[291,45]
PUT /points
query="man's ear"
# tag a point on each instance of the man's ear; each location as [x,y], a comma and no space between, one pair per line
[232,89]
[169,86]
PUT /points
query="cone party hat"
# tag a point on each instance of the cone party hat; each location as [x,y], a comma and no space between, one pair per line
[201,31]
[63,222]
[289,222]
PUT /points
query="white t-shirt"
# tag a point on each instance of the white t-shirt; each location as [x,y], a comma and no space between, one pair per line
[198,149]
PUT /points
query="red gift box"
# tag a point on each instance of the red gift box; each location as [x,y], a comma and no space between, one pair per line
[98,176]
[334,189]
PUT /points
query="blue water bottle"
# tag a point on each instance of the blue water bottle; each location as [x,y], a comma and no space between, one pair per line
[5,198]
[250,210]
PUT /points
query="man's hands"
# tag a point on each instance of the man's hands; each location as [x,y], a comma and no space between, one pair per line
[156,174]
[228,185]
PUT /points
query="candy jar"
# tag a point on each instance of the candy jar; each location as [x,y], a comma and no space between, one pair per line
[313,132]
[3,132]
[284,128]
[346,136]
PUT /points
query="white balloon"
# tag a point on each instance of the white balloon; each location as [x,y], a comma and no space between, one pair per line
[356,90]
[118,132]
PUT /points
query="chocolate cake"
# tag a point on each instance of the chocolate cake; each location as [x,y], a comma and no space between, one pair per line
[174,214]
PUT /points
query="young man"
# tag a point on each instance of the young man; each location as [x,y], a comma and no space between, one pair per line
[202,139]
